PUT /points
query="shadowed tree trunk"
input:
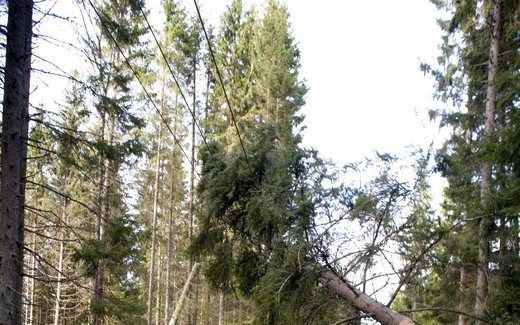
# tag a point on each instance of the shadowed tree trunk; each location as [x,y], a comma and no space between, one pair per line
[15,125]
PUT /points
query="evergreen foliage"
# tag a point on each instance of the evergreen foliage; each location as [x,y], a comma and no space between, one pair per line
[110,201]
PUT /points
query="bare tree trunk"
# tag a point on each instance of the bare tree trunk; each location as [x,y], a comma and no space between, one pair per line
[481,305]
[362,301]
[15,125]
[221,309]
[192,315]
[168,257]
[158,294]
[184,293]
[30,286]
[154,226]
[170,225]
[60,268]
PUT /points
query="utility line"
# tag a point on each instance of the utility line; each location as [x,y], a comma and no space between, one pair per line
[212,54]
[192,111]
[138,79]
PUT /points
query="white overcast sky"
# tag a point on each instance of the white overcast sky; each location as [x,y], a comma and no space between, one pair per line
[360,60]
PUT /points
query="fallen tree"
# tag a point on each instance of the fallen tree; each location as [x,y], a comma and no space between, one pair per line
[362,301]
[258,234]
[180,303]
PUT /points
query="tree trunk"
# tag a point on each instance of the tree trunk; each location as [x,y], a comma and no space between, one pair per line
[154,226]
[170,221]
[15,125]
[192,315]
[221,309]
[168,257]
[463,279]
[57,304]
[158,291]
[29,315]
[481,305]
[105,181]
[184,293]
[463,283]
[362,301]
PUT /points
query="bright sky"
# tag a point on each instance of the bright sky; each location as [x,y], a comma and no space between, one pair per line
[361,61]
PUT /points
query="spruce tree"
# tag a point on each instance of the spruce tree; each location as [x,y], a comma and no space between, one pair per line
[476,75]
[15,130]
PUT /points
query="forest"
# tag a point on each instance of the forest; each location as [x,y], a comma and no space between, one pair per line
[170,183]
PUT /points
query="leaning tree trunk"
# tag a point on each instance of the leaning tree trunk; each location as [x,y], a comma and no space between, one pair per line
[362,301]
[485,224]
[184,294]
[15,124]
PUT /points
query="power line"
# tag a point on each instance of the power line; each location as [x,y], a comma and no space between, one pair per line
[212,54]
[138,79]
[192,111]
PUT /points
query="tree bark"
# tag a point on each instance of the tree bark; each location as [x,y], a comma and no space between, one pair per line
[463,279]
[192,315]
[170,222]
[158,291]
[362,301]
[57,303]
[184,293]
[485,224]
[105,182]
[463,283]
[15,125]
[221,309]
[154,226]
